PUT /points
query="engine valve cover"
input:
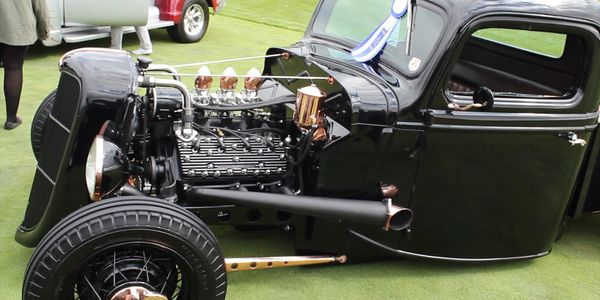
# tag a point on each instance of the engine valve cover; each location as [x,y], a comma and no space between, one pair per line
[231,160]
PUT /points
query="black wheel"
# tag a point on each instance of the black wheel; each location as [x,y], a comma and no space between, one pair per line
[193,23]
[127,243]
[38,126]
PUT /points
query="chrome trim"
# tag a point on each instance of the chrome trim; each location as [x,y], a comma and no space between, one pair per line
[528,101]
[186,133]
[511,117]
[409,124]
[443,258]
[513,128]
[164,68]
[45,175]
[61,125]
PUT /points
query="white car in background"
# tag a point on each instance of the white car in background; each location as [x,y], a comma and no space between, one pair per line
[74,21]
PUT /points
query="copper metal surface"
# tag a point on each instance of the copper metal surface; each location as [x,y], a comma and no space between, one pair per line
[137,293]
[253,80]
[256,263]
[320,134]
[389,190]
[229,79]
[204,79]
[330,80]
[308,113]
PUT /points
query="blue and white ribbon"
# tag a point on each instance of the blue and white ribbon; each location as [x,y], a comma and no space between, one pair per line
[373,44]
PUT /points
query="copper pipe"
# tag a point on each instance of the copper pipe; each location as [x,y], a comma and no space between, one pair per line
[256,263]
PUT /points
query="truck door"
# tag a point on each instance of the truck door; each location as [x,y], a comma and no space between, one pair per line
[105,12]
[495,183]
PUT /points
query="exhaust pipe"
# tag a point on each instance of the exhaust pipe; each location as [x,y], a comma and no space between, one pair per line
[368,212]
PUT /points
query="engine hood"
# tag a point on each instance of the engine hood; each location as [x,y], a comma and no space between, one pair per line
[358,93]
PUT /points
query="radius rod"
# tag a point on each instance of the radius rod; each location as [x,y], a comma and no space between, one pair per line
[257,263]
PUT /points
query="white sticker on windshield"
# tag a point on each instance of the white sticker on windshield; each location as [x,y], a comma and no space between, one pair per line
[414,64]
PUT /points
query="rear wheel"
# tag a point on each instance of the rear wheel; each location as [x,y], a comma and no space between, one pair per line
[193,23]
[126,243]
[38,126]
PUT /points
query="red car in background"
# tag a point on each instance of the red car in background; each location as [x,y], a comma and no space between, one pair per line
[71,21]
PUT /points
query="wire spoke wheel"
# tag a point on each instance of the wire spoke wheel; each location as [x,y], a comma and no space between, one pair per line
[111,270]
[127,243]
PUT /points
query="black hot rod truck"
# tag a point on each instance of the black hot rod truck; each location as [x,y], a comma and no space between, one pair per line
[467,133]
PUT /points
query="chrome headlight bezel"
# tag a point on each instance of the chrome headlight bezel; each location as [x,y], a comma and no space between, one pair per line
[93,168]
[107,167]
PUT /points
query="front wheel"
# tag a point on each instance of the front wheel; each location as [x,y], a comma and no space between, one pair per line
[127,243]
[193,24]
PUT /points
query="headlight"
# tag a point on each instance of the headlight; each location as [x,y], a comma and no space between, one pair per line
[106,168]
[93,168]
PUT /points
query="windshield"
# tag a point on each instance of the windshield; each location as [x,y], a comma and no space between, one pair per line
[353,21]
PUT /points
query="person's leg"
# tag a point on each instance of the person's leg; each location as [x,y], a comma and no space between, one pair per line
[144,36]
[116,37]
[145,42]
[13,58]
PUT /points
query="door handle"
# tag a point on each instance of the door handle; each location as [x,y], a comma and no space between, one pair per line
[573,139]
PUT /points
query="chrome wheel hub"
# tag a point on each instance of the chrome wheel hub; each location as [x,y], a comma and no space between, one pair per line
[193,20]
[137,293]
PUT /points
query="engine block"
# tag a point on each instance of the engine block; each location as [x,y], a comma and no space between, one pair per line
[230,159]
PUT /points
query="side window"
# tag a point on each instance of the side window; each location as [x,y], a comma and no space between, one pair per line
[518,64]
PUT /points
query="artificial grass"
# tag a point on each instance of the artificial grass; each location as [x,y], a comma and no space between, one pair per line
[571,271]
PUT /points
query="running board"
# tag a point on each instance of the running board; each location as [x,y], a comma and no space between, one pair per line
[92,33]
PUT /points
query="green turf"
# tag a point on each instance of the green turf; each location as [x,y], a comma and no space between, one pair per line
[547,43]
[571,271]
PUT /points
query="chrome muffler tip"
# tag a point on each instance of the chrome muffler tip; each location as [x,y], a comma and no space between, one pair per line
[398,218]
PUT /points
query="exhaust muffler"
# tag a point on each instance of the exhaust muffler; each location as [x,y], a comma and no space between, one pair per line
[376,213]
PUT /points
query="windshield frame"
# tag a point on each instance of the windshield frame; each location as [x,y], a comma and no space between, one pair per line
[348,45]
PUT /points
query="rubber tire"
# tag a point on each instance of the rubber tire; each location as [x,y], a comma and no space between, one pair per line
[177,31]
[38,126]
[141,219]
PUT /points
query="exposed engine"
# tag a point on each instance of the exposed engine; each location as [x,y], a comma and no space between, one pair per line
[232,146]
[227,137]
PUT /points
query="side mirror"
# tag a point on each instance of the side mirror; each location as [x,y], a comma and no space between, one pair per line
[484,97]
